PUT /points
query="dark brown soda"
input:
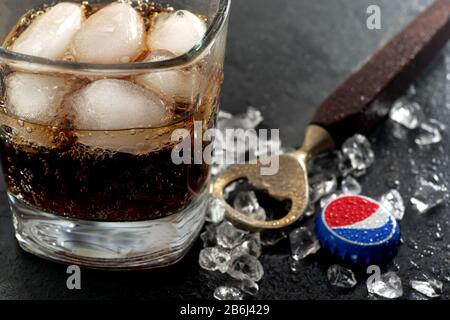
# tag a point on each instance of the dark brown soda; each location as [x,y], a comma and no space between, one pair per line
[74,181]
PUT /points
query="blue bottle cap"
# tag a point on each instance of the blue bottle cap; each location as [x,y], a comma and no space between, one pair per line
[358,229]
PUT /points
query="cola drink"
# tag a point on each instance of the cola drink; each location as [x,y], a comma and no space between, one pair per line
[93,140]
[67,178]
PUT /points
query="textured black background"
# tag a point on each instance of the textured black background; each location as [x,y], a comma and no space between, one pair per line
[284,57]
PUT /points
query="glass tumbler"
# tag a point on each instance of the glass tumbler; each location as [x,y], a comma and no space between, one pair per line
[102,190]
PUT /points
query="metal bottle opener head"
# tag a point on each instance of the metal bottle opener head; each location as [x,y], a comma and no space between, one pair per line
[289,183]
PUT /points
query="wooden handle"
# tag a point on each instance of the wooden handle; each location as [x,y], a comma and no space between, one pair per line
[351,108]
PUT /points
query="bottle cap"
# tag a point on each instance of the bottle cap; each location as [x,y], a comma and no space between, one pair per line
[358,229]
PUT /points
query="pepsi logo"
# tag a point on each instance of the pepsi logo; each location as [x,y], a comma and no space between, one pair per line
[359,220]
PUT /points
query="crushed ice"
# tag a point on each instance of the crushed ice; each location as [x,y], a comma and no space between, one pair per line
[303,243]
[341,277]
[389,286]
[430,288]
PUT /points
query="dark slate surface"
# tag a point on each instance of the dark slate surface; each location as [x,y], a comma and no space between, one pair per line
[283,57]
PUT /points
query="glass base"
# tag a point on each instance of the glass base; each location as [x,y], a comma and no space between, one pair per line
[108,245]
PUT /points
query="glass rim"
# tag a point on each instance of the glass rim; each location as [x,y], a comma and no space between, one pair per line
[210,35]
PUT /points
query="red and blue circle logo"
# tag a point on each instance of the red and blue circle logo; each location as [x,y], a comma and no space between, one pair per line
[358,228]
[360,220]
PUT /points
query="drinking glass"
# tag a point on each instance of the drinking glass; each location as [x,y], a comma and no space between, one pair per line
[107,199]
